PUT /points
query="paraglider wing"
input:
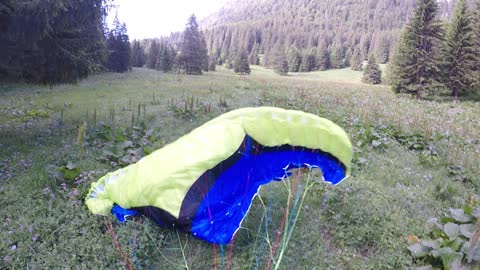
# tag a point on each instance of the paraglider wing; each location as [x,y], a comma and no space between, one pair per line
[204,182]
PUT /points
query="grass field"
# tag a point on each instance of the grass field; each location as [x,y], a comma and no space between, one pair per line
[413,161]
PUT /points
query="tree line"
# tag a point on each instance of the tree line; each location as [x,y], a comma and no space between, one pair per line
[51,41]
[64,40]
[432,56]
[60,40]
[314,34]
[186,53]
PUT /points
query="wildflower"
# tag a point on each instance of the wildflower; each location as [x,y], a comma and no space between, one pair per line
[73,193]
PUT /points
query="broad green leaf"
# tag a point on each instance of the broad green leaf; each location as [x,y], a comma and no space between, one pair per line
[441,251]
[445,220]
[70,166]
[457,265]
[418,250]
[107,153]
[144,141]
[476,212]
[459,215]
[435,244]
[433,223]
[449,258]
[467,209]
[451,229]
[467,230]
[376,143]
[126,144]
[426,267]
[454,244]
[71,174]
[147,150]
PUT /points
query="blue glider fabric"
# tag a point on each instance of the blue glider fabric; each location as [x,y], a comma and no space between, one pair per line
[219,200]
[121,213]
[226,204]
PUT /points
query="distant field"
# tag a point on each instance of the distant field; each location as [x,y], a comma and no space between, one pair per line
[413,161]
[332,75]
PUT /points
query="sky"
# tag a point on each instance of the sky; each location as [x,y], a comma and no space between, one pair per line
[155,18]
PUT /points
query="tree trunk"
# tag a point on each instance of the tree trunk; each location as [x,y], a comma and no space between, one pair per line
[455,93]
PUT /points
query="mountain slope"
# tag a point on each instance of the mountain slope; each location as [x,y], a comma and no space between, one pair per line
[310,26]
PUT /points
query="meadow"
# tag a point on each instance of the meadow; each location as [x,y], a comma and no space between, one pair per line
[414,160]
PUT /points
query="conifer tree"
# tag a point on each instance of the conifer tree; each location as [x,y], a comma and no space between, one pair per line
[308,61]
[323,58]
[152,56]
[52,41]
[204,52]
[165,58]
[414,66]
[383,50]
[365,44]
[459,54]
[192,48]
[476,27]
[357,60]
[229,63]
[212,63]
[119,46]
[337,57]
[241,63]
[253,58]
[372,73]
[138,54]
[347,58]
[294,59]
[280,63]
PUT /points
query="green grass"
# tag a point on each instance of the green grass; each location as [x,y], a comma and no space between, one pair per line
[332,75]
[413,160]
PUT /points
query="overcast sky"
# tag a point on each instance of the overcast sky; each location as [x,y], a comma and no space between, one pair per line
[155,18]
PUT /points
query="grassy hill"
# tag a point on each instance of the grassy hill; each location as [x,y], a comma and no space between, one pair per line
[413,161]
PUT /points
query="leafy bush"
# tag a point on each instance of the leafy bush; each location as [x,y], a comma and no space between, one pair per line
[453,241]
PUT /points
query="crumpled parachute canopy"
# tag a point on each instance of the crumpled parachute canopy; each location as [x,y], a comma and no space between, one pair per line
[205,181]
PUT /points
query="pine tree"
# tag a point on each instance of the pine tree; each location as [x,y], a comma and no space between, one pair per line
[204,52]
[372,73]
[357,60]
[476,21]
[212,63]
[229,63]
[253,58]
[459,54]
[241,63]
[192,48]
[280,63]
[382,51]
[294,59]
[52,41]
[308,61]
[119,46]
[414,66]
[165,58]
[337,57]
[138,54]
[323,58]
[365,44]
[152,56]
